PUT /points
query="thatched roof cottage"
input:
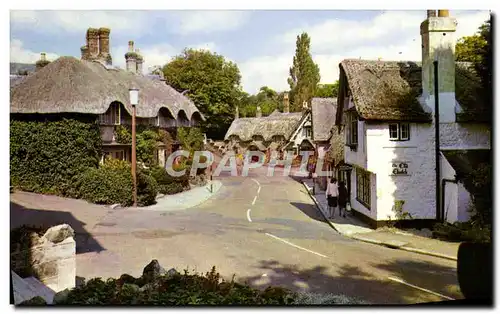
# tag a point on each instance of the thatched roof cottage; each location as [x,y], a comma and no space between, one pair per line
[387,110]
[91,86]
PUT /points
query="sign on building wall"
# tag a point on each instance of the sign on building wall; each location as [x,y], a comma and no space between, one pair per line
[400,168]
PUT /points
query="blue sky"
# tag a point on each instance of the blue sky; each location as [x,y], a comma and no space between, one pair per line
[262,43]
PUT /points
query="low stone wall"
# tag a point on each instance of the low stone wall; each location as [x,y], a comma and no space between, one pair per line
[52,260]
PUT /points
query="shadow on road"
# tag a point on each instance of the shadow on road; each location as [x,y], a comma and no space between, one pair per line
[310,210]
[352,282]
[20,215]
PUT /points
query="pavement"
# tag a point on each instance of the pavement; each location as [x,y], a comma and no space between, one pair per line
[389,237]
[266,230]
[187,199]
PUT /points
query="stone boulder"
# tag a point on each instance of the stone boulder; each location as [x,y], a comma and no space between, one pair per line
[59,233]
[153,270]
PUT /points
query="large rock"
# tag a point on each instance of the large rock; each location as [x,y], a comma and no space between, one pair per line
[153,270]
[59,233]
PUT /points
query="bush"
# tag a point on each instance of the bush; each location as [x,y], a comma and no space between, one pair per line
[177,289]
[112,184]
[463,232]
[147,189]
[167,184]
[46,155]
[173,288]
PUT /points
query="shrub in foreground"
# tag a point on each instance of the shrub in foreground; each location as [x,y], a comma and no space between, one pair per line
[159,287]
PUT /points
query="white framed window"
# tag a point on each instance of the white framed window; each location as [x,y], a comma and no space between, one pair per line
[111,116]
[363,187]
[405,131]
[399,131]
[393,131]
[351,129]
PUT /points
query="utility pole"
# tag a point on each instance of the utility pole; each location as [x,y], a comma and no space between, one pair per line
[436,120]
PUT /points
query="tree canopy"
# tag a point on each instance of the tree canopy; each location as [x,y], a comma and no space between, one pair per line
[211,82]
[304,74]
[477,49]
[327,90]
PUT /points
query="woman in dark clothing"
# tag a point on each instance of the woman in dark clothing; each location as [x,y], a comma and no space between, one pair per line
[342,197]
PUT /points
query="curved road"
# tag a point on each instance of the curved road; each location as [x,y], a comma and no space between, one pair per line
[266,230]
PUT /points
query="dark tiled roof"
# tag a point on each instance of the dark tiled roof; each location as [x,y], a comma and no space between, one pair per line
[323,117]
[16,67]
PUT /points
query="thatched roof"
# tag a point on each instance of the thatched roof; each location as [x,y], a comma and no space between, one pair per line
[323,117]
[16,79]
[389,90]
[258,144]
[278,124]
[79,86]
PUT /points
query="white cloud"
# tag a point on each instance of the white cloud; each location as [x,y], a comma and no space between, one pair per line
[267,70]
[153,55]
[22,55]
[189,22]
[390,36]
[78,21]
[210,46]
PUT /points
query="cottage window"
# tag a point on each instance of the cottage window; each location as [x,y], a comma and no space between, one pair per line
[115,154]
[363,187]
[399,131]
[351,129]
[111,116]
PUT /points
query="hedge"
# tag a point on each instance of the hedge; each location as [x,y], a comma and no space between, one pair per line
[46,155]
[112,184]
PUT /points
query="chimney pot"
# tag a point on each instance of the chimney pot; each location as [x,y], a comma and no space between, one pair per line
[443,13]
[431,13]
[42,56]
[131,46]
[286,103]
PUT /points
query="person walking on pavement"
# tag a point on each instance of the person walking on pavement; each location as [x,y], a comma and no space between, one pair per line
[342,197]
[332,191]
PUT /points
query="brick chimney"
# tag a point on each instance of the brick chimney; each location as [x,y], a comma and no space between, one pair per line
[236,113]
[42,62]
[85,52]
[93,43]
[104,54]
[438,44]
[286,103]
[131,58]
[258,113]
[140,61]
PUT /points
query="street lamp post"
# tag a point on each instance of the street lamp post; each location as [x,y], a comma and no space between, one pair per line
[134,101]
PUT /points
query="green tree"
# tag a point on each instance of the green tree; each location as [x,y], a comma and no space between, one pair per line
[304,74]
[267,98]
[468,48]
[211,82]
[477,49]
[327,90]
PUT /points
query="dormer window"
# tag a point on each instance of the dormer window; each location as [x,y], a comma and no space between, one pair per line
[111,116]
[399,131]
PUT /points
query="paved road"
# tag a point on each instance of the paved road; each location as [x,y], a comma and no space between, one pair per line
[265,230]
